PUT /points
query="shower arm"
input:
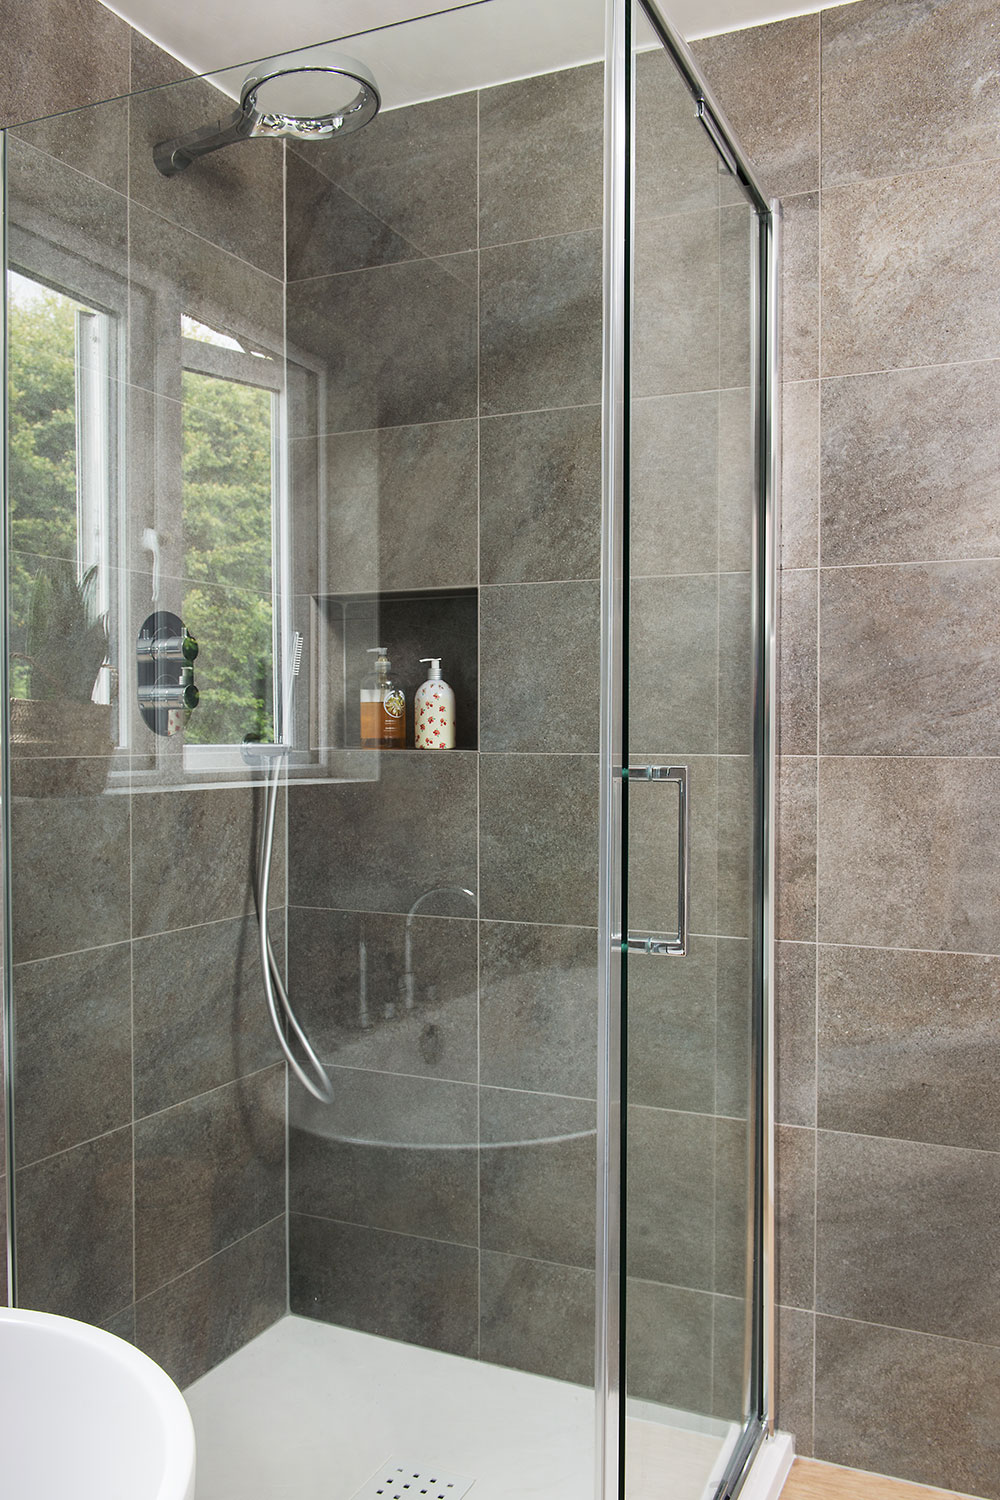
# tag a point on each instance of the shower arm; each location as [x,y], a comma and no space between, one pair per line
[171,157]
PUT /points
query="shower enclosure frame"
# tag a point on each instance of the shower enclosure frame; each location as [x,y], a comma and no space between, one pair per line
[612,1129]
[618,234]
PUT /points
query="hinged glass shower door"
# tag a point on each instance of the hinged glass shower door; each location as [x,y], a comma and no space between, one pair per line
[686,771]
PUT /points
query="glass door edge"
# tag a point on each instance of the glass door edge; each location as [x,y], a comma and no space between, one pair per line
[609,1437]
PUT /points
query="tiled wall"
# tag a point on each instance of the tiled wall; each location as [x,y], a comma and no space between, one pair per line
[150,1110]
[455,296]
[878,124]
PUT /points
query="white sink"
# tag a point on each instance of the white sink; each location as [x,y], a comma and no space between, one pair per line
[85,1416]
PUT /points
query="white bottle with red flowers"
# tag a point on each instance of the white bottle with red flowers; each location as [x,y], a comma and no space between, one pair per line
[434,711]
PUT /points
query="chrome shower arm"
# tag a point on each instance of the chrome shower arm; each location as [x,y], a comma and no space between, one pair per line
[171,157]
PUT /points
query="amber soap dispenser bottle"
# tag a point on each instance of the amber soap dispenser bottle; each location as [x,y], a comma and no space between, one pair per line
[383,707]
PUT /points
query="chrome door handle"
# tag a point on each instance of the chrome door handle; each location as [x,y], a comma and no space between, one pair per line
[671,944]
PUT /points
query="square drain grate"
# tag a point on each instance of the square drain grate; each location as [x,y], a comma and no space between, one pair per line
[399,1481]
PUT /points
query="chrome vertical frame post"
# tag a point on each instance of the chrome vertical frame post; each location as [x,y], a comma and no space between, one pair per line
[769,511]
[7,989]
[608,1445]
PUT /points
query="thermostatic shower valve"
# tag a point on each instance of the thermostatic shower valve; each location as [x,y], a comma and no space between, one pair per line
[165,656]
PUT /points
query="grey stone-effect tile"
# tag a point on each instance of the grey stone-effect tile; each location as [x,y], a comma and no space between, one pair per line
[734,854]
[69,53]
[767,79]
[910,658]
[538,844]
[795,1027]
[902,284]
[670,1197]
[122,1324]
[538,1008]
[909,465]
[94,140]
[152,67]
[676,306]
[800,473]
[677,168]
[732,1207]
[737,255]
[390,1152]
[674,485]
[540,496]
[735,669]
[921,1256]
[537,1176]
[737,480]
[352,513]
[795,1339]
[798,662]
[379,845]
[541,168]
[903,860]
[540,324]
[207,1172]
[673,672]
[61,906]
[800,287]
[204,1316]
[415,169]
[211,201]
[418,1291]
[669,1345]
[537,1317]
[73,1034]
[399,341]
[173,270]
[907,1045]
[729,1340]
[796,849]
[328,231]
[795,1218]
[540,653]
[368,1025]
[934,67]
[733,1072]
[74,1230]
[210,836]
[903,1403]
[200,1014]
[427,521]
[672,1029]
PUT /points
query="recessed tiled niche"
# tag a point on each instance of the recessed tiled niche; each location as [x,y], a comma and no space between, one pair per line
[410,625]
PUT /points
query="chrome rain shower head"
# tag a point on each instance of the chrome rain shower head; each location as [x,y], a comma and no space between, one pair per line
[308,96]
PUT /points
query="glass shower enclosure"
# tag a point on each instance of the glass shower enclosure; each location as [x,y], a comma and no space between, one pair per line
[488,380]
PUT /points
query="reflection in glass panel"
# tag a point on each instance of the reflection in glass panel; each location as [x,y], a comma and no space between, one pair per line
[227,499]
[58,468]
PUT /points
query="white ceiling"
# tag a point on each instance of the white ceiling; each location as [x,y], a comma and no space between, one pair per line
[475,45]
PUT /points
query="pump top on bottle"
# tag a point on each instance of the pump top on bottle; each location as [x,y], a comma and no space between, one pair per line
[434,711]
[383,707]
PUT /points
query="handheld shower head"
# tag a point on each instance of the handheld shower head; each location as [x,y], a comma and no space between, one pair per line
[309,95]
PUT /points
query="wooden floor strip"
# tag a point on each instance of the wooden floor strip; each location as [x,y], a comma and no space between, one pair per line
[812,1480]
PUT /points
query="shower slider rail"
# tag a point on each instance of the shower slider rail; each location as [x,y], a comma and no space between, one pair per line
[673,945]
